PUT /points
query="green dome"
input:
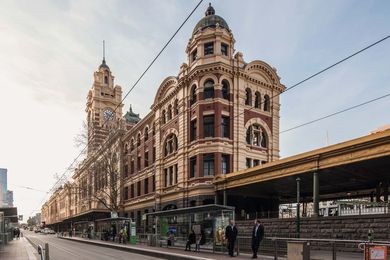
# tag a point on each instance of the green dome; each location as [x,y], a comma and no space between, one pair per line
[211,20]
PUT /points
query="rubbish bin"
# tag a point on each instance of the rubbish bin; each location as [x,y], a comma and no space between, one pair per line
[297,250]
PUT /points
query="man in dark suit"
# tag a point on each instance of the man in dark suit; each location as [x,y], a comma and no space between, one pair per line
[257,236]
[231,236]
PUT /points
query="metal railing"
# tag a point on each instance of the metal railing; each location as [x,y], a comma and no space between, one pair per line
[341,210]
[277,246]
[44,252]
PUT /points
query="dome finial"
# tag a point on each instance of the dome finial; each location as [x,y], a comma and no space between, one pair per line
[104,52]
[210,10]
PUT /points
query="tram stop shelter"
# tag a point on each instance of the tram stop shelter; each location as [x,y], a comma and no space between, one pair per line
[209,221]
[102,229]
[109,228]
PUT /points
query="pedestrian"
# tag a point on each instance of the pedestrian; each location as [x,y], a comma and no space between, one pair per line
[201,240]
[231,236]
[257,236]
[191,240]
[120,235]
[124,235]
[171,239]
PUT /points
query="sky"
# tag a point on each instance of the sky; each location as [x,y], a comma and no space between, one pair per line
[50,49]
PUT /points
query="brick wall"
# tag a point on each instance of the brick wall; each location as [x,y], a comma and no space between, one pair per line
[343,228]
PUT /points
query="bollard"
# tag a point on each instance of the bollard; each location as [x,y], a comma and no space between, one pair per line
[333,251]
[275,249]
[47,251]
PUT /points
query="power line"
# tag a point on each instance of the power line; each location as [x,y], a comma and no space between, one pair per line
[28,188]
[335,113]
[320,72]
[131,89]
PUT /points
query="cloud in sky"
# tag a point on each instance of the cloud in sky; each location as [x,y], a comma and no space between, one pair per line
[50,49]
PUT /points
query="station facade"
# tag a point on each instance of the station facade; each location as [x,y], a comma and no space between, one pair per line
[219,115]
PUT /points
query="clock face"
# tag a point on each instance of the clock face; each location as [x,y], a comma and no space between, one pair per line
[108,114]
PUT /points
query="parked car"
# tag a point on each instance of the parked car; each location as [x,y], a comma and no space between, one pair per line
[48,231]
[37,230]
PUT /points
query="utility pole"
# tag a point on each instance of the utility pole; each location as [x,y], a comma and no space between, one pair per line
[298,208]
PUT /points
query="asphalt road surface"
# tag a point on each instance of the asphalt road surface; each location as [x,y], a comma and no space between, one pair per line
[61,249]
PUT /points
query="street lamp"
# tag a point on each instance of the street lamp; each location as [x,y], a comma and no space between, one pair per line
[298,208]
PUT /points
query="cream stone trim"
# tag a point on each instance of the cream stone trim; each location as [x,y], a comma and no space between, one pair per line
[208,112]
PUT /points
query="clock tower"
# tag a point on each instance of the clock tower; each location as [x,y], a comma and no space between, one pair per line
[104,107]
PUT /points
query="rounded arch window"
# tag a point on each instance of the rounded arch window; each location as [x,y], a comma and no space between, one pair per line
[208,91]
[146,134]
[169,112]
[132,145]
[170,145]
[176,107]
[193,94]
[225,89]
[256,136]
[126,148]
[139,139]
[257,99]
[163,117]
[267,104]
[248,97]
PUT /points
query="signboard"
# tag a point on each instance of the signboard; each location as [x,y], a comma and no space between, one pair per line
[114,214]
[133,233]
[378,253]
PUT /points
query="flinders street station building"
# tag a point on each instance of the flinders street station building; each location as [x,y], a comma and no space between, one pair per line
[217,116]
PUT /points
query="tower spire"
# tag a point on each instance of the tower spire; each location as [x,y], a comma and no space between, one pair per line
[104,65]
[104,52]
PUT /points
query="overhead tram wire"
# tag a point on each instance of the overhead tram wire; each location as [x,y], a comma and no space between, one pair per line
[336,113]
[131,89]
[317,73]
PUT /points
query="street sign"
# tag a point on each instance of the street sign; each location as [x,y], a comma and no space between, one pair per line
[378,253]
[114,214]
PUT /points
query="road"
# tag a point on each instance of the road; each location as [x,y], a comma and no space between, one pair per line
[61,249]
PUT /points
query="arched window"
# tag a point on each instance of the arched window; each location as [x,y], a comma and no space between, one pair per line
[170,145]
[169,112]
[132,145]
[208,91]
[257,99]
[154,129]
[139,139]
[248,98]
[225,89]
[146,134]
[266,103]
[163,117]
[176,107]
[106,79]
[126,148]
[256,135]
[193,94]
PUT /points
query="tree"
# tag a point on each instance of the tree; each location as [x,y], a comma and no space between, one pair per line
[100,180]
[31,221]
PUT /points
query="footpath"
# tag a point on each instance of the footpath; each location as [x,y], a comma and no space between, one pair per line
[171,253]
[18,249]
[174,253]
